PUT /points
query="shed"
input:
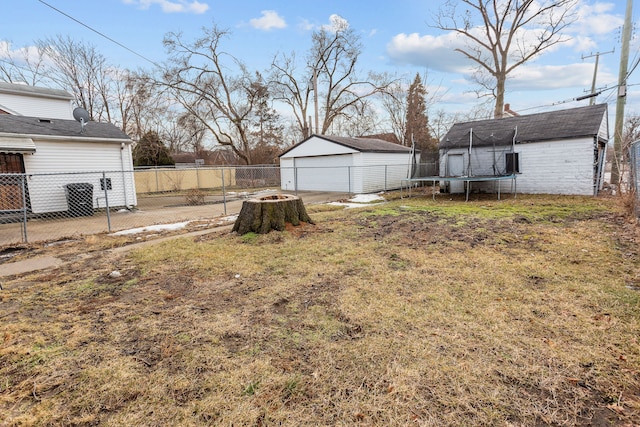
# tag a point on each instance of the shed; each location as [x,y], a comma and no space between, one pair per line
[345,164]
[52,153]
[555,152]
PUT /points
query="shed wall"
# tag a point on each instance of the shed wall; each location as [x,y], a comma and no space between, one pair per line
[555,167]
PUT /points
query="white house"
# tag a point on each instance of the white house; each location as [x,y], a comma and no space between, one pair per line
[555,152]
[342,164]
[23,100]
[52,153]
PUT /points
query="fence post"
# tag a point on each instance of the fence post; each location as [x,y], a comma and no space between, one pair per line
[295,179]
[157,184]
[385,177]
[24,208]
[349,173]
[224,193]
[106,200]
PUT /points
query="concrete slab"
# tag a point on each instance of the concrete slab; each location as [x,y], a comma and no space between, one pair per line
[29,265]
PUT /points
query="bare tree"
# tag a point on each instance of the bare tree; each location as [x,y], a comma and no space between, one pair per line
[630,134]
[200,78]
[509,33]
[331,70]
[394,103]
[23,65]
[293,91]
[83,71]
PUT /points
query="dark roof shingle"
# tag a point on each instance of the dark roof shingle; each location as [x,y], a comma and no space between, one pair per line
[547,126]
[56,127]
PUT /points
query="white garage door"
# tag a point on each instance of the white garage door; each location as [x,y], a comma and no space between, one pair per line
[324,173]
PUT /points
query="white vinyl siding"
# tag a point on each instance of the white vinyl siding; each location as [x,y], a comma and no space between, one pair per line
[35,106]
[58,163]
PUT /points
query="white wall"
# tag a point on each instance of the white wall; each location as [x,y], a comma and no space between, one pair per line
[358,173]
[57,163]
[554,167]
[35,106]
[315,146]
[380,171]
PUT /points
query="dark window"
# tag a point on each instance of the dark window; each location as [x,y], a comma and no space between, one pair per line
[513,163]
[105,182]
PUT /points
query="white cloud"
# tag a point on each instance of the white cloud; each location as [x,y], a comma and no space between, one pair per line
[268,21]
[306,25]
[541,77]
[594,19]
[336,23]
[432,52]
[176,6]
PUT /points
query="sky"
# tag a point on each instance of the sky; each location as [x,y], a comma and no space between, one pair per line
[397,37]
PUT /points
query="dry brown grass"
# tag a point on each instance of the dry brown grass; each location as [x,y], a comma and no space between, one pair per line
[515,313]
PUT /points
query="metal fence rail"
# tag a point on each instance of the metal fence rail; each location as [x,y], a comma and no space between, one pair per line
[39,207]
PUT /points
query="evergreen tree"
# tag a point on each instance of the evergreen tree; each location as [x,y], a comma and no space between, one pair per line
[417,122]
[151,151]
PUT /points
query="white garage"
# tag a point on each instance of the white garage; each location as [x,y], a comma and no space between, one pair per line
[344,164]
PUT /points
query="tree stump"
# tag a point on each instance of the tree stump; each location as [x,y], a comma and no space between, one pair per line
[268,213]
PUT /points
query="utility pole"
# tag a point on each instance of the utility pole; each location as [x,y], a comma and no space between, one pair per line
[622,93]
[595,73]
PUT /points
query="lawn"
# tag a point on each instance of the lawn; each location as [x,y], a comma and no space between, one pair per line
[519,312]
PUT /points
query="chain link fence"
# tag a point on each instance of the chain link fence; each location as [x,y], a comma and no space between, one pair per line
[54,206]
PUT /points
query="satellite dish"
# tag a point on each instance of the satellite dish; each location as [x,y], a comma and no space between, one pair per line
[81,115]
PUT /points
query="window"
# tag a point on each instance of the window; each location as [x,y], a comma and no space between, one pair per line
[105,182]
[512,163]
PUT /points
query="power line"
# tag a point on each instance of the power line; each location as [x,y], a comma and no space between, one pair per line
[99,33]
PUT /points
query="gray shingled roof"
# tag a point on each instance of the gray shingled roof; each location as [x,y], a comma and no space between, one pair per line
[34,90]
[56,127]
[364,145]
[548,126]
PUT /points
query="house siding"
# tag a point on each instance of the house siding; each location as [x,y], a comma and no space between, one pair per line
[33,106]
[58,163]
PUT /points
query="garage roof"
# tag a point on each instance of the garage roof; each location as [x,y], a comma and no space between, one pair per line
[363,145]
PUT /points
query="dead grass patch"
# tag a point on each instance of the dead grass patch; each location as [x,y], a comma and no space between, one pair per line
[413,312]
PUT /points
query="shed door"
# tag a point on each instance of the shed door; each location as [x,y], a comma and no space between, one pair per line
[455,167]
[11,186]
